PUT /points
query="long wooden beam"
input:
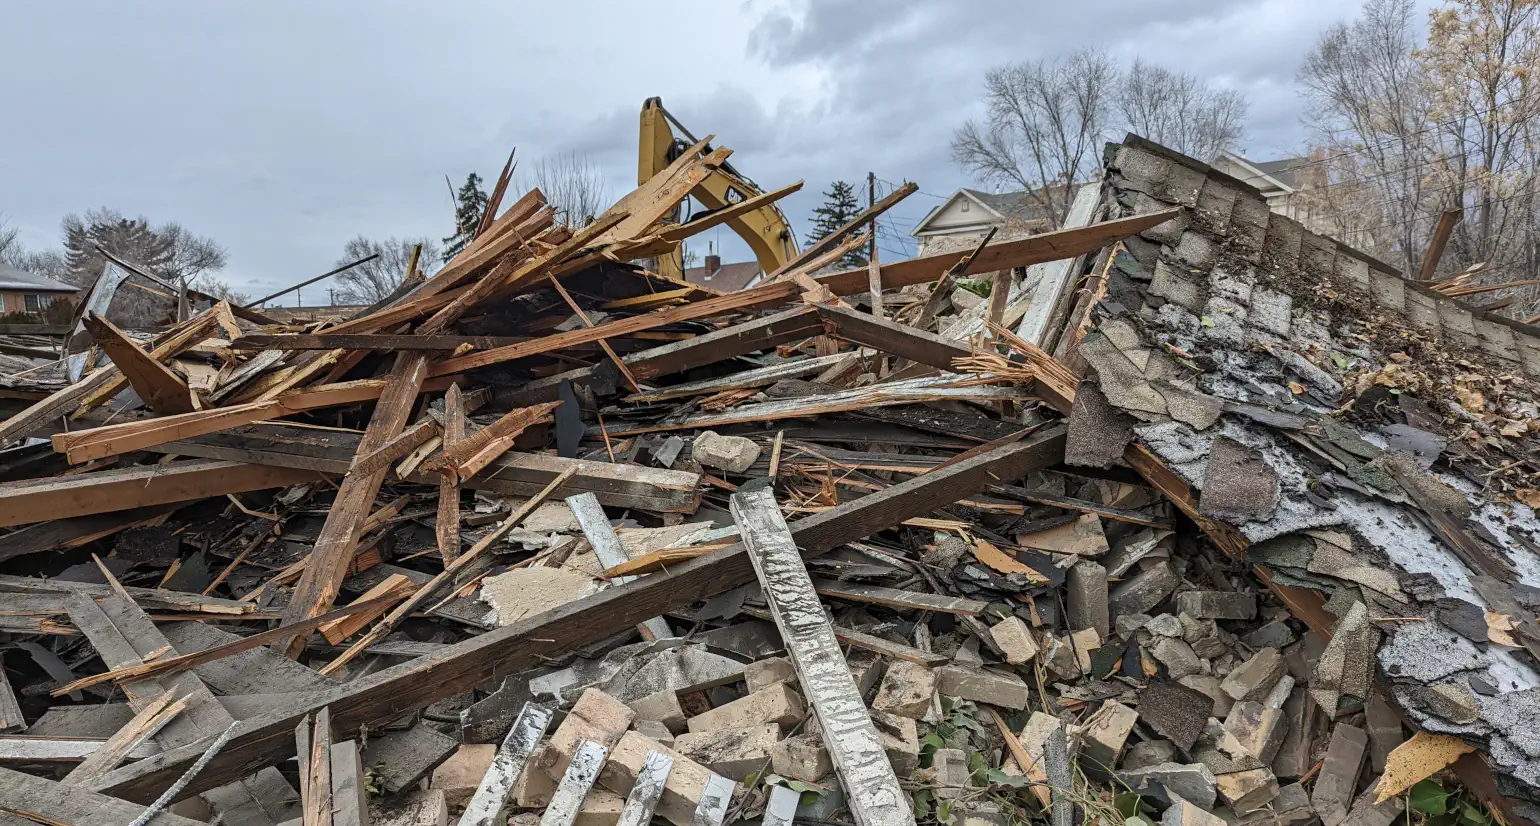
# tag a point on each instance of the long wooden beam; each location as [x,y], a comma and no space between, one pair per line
[39,800]
[369,341]
[117,489]
[373,699]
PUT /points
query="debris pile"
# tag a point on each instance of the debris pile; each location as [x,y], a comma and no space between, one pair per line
[550,538]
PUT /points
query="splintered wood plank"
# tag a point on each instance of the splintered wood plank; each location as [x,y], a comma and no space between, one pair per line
[395,587]
[491,797]
[350,802]
[162,390]
[316,769]
[322,579]
[120,746]
[610,551]
[117,489]
[645,793]
[366,341]
[45,801]
[871,787]
[878,595]
[24,749]
[11,719]
[567,800]
[870,642]
[377,698]
[446,528]
[893,338]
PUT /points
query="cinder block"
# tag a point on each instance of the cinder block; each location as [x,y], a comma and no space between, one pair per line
[779,704]
[731,752]
[906,690]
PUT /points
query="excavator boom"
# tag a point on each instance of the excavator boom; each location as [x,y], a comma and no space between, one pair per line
[765,230]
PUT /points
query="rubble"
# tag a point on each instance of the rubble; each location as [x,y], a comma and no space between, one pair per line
[1165,525]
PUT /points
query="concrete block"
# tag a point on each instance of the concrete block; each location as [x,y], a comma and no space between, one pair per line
[1015,639]
[1249,790]
[1231,605]
[1337,784]
[1388,291]
[1086,584]
[1253,729]
[731,752]
[779,704]
[951,767]
[734,454]
[1147,753]
[768,672]
[1140,592]
[983,686]
[1169,782]
[1422,312]
[1209,685]
[1184,813]
[803,757]
[906,690]
[655,730]
[900,738]
[1104,735]
[686,782]
[1255,678]
[459,776]
[663,707]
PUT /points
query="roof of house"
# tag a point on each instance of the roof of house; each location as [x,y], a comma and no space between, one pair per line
[15,279]
[1366,440]
[1284,170]
[1001,206]
[727,278]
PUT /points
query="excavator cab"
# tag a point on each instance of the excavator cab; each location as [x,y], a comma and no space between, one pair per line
[765,230]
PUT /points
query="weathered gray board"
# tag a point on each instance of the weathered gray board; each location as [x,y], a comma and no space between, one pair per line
[567,800]
[609,551]
[507,766]
[646,791]
[871,787]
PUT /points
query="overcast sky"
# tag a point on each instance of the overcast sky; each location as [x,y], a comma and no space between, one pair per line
[281,129]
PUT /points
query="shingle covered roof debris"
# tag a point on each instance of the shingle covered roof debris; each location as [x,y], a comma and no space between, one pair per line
[808,562]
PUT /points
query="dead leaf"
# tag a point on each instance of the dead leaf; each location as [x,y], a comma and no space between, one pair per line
[1529,496]
[1500,629]
[1418,759]
[1296,388]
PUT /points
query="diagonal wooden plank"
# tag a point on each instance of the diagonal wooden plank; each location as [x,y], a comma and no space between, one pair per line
[46,801]
[162,390]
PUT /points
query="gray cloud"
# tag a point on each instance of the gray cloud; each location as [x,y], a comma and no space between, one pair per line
[282,129]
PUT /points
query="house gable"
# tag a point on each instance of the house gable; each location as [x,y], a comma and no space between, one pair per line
[961,213]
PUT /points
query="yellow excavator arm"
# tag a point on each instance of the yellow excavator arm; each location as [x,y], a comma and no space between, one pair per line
[765,230]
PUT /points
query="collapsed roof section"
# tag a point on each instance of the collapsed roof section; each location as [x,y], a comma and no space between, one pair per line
[1371,442]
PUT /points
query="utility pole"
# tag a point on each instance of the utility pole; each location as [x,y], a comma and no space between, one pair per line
[331,296]
[873,269]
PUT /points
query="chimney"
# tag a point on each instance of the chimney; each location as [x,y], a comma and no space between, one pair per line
[713,263]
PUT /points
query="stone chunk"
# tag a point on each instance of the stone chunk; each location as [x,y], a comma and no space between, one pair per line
[1185,813]
[1290,808]
[1275,634]
[1139,593]
[900,738]
[803,757]
[1178,658]
[1338,780]
[1217,605]
[1015,639]
[1105,734]
[730,752]
[1147,753]
[1299,724]
[1253,730]
[663,707]
[656,731]
[1248,791]
[1254,678]
[768,672]
[983,686]
[951,767]
[779,704]
[1385,733]
[734,454]
[1170,782]
[1086,584]
[1208,685]
[681,793]
[907,689]
[1366,812]
[458,777]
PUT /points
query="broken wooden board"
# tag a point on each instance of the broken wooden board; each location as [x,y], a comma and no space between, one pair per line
[162,390]
[119,489]
[377,698]
[878,595]
[871,788]
[517,474]
[610,551]
[45,801]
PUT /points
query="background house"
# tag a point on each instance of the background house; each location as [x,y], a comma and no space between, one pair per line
[22,293]
[1300,188]
[963,219]
[727,278]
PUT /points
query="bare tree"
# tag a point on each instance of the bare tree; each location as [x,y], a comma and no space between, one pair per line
[169,250]
[373,280]
[572,184]
[47,263]
[218,289]
[10,241]
[1178,110]
[1045,125]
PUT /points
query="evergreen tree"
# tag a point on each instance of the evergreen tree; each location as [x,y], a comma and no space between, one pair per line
[129,238]
[839,207]
[470,204]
